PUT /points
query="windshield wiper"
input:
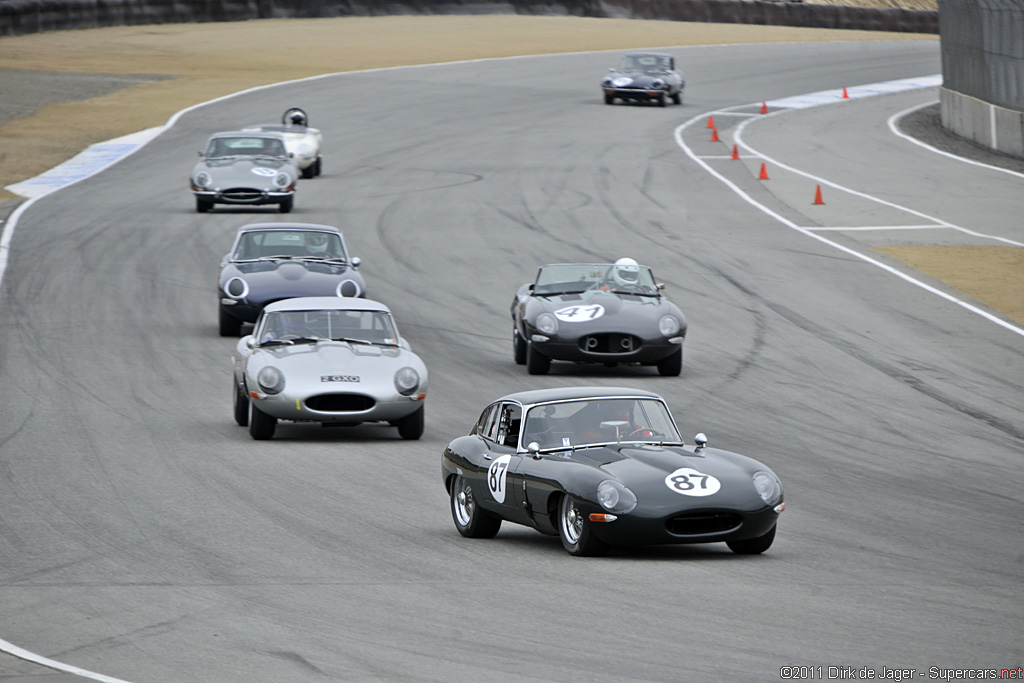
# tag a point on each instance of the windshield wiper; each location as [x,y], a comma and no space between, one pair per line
[634,293]
[291,342]
[366,342]
[275,257]
[560,293]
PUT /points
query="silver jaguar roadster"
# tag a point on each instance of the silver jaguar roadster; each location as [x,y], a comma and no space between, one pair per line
[250,168]
[336,361]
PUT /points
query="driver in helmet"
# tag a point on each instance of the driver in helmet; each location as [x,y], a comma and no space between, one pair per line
[626,272]
[296,118]
[316,245]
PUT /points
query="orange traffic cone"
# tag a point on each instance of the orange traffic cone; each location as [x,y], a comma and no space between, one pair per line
[764,107]
[817,196]
[845,95]
[714,135]
[711,122]
[735,152]
[764,171]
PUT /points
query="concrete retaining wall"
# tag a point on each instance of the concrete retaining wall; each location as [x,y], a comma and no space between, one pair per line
[997,128]
[19,17]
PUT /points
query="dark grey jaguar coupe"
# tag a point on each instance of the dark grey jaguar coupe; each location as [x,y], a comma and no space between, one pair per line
[644,77]
[601,467]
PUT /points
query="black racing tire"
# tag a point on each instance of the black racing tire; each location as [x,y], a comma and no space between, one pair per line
[536,362]
[309,171]
[576,531]
[677,98]
[241,406]
[609,99]
[469,518]
[261,425]
[753,546]
[203,205]
[229,326]
[518,348]
[286,205]
[661,99]
[319,165]
[671,366]
[410,427]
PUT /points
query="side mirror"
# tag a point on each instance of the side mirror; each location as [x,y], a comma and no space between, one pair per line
[224,260]
[355,261]
[533,448]
[202,153]
[404,344]
[249,341]
[700,440]
[660,286]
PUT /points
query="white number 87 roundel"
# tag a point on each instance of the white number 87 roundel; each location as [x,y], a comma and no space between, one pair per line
[690,482]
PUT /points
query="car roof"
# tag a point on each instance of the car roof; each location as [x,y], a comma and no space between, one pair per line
[570,393]
[252,227]
[323,303]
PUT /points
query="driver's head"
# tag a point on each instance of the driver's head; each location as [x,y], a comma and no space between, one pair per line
[316,243]
[626,271]
[296,118]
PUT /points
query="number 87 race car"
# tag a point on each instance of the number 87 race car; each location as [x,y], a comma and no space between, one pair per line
[603,467]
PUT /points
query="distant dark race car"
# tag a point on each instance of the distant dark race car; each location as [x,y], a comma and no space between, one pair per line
[644,77]
[610,313]
[602,467]
[245,168]
[273,261]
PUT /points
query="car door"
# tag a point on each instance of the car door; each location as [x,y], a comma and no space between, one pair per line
[499,489]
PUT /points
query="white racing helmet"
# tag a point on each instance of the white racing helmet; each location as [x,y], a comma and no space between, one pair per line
[316,243]
[626,272]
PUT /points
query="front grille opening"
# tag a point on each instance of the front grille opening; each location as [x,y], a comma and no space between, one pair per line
[696,523]
[340,403]
[611,343]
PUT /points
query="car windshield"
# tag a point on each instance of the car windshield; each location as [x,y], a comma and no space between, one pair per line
[285,243]
[576,278]
[598,421]
[245,146]
[645,63]
[368,327]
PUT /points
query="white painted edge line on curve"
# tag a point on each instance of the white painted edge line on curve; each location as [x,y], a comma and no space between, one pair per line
[828,97]
[896,131]
[53,664]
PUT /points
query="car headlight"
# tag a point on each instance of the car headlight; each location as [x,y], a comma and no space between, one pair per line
[607,82]
[407,380]
[282,180]
[202,179]
[614,497]
[271,380]
[768,487]
[547,323]
[668,325]
[657,84]
[236,288]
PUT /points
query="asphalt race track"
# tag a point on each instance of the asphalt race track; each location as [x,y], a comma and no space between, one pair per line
[146,537]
